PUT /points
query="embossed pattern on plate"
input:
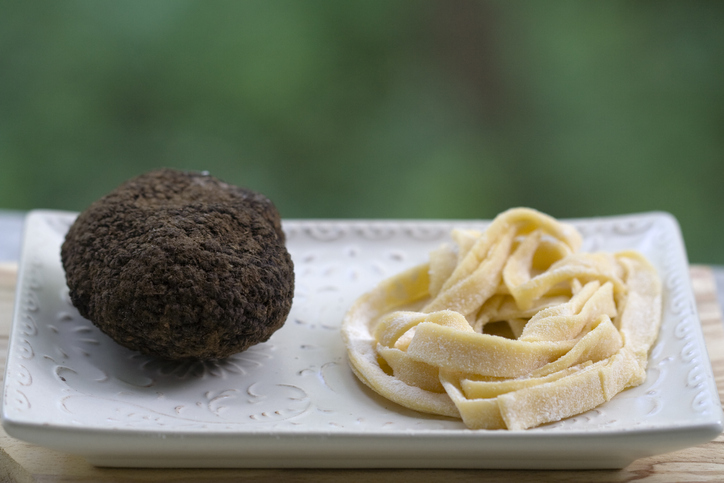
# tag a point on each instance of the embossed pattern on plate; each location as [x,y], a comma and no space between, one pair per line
[293,400]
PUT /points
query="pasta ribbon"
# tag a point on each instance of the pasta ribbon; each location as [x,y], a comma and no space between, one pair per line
[508,328]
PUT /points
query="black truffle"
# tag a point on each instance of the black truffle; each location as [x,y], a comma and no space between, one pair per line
[180,265]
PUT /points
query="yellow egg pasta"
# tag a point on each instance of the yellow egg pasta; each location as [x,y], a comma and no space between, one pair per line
[508,328]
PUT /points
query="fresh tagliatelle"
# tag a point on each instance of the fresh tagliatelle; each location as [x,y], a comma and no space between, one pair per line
[511,327]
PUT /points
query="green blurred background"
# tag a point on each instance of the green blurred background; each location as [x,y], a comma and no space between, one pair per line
[374,109]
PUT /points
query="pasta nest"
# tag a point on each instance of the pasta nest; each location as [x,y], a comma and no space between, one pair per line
[511,327]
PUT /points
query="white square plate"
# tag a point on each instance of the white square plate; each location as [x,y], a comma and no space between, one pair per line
[294,402]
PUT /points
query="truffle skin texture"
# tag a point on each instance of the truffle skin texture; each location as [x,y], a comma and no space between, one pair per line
[180,265]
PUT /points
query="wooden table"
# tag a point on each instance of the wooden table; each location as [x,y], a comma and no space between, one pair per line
[24,462]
